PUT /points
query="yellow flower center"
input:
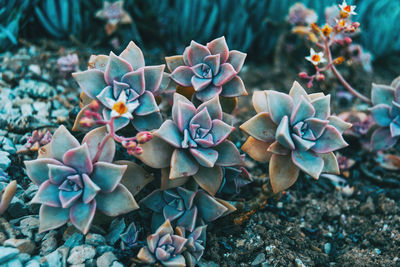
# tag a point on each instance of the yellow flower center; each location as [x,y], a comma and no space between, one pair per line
[326,30]
[120,107]
[347,8]
[316,58]
[342,23]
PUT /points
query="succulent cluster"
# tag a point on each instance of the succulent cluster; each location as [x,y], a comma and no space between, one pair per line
[386,113]
[114,14]
[294,132]
[210,70]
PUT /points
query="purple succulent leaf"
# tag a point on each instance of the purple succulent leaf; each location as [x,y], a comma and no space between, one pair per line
[119,123]
[260,102]
[47,195]
[104,95]
[277,148]
[177,261]
[302,111]
[162,255]
[79,159]
[174,62]
[116,68]
[68,198]
[182,164]
[213,62]
[209,179]
[179,243]
[98,62]
[170,133]
[58,173]
[382,139]
[107,175]
[147,105]
[309,162]
[395,109]
[38,170]
[208,93]
[283,134]
[171,213]
[200,83]
[236,59]
[94,138]
[202,118]
[187,196]
[302,144]
[154,201]
[228,154]
[317,126]
[146,255]
[153,76]
[209,208]
[322,107]
[330,163]
[133,55]
[225,74]
[395,128]
[297,91]
[90,189]
[213,107]
[198,71]
[180,98]
[152,241]
[136,80]
[82,214]
[381,114]
[382,94]
[182,75]
[260,127]
[122,196]
[197,53]
[147,122]
[235,87]
[188,220]
[185,55]
[279,104]
[90,81]
[156,153]
[204,156]
[329,141]
[339,124]
[61,142]
[219,46]
[220,131]
[52,218]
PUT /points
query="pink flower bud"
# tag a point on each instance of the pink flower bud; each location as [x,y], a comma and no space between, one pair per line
[347,40]
[309,84]
[356,25]
[129,144]
[138,150]
[320,77]
[94,105]
[143,137]
[87,122]
[303,75]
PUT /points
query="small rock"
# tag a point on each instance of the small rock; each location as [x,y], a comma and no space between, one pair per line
[7,254]
[54,259]
[32,263]
[29,224]
[377,251]
[203,263]
[258,260]
[35,69]
[14,263]
[80,254]
[270,249]
[327,248]
[17,208]
[299,263]
[368,207]
[23,245]
[103,249]
[117,264]
[49,243]
[106,259]
[95,240]
[76,239]
[24,257]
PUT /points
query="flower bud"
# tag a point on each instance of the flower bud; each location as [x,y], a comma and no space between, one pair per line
[320,77]
[326,30]
[313,38]
[129,144]
[309,84]
[94,105]
[303,75]
[138,150]
[338,60]
[143,137]
[347,40]
[350,29]
[356,25]
[87,122]
[314,27]
[344,15]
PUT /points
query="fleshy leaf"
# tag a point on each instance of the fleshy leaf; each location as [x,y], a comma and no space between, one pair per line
[122,196]
[52,218]
[116,68]
[330,163]
[156,153]
[61,142]
[147,105]
[197,53]
[219,46]
[308,162]
[170,133]
[277,148]
[297,91]
[213,107]
[182,164]
[107,175]
[256,149]
[133,55]
[47,195]
[283,173]
[93,140]
[209,208]
[38,170]
[260,102]
[220,131]
[381,114]
[339,124]
[204,156]
[79,159]
[209,179]
[226,73]
[136,80]
[235,87]
[135,177]
[228,154]
[329,141]
[147,122]
[82,215]
[279,104]
[146,256]
[153,76]
[90,81]
[382,139]
[236,59]
[302,111]
[322,107]
[382,94]
[208,93]
[182,75]
[173,62]
[283,134]
[260,127]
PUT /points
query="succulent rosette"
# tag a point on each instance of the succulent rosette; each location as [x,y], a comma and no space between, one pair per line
[194,143]
[210,69]
[77,179]
[110,76]
[386,113]
[294,132]
[235,178]
[184,207]
[164,246]
[195,244]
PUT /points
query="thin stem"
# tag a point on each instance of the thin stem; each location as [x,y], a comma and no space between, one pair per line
[340,77]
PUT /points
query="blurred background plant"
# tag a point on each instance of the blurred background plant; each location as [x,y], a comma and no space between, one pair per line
[252,26]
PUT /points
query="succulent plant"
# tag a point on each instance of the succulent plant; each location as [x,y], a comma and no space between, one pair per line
[129,238]
[6,195]
[294,132]
[235,178]
[195,244]
[194,143]
[211,70]
[386,113]
[115,14]
[164,246]
[38,139]
[68,64]
[110,76]
[184,207]
[76,180]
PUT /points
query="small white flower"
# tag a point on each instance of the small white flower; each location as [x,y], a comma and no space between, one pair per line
[347,8]
[316,58]
[119,107]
